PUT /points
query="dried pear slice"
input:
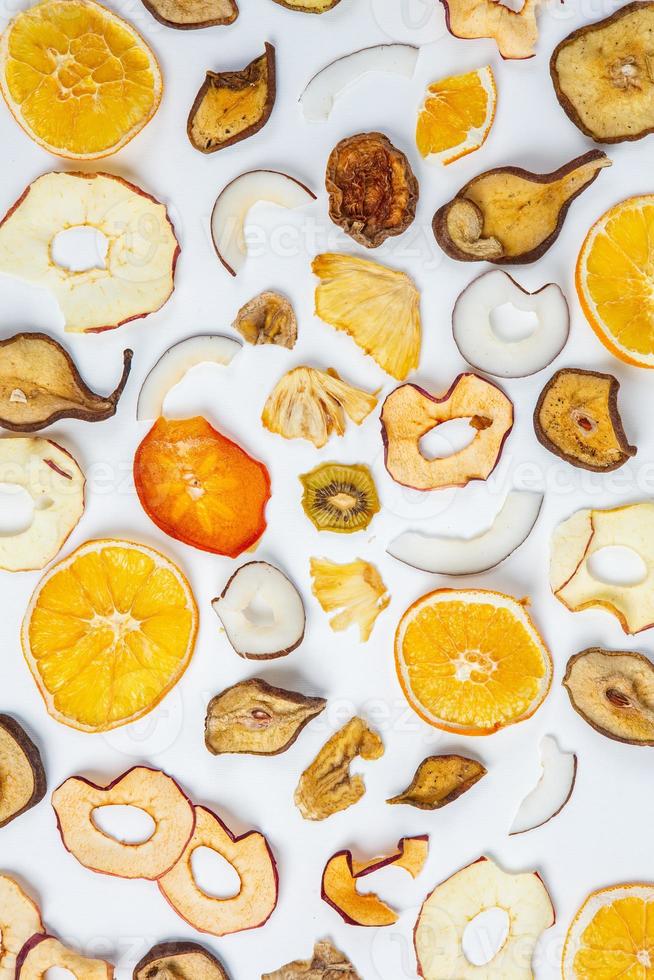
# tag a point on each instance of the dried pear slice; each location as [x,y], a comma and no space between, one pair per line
[510,215]
[439,780]
[308,6]
[603,75]
[327,786]
[40,384]
[577,418]
[179,961]
[256,718]
[327,963]
[587,532]
[22,776]
[187,15]
[613,690]
[514,31]
[340,498]
[268,318]
[232,105]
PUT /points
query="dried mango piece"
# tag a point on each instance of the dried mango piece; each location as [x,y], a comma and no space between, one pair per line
[355,588]
[232,105]
[327,786]
[439,780]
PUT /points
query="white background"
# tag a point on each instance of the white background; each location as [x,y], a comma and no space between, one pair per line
[603,836]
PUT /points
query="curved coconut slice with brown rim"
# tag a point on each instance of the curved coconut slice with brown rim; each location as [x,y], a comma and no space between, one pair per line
[515,31]
[179,961]
[252,859]
[551,792]
[22,776]
[139,268]
[188,15]
[612,691]
[42,953]
[20,920]
[150,790]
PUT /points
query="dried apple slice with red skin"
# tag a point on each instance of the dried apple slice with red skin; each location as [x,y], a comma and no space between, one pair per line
[410,412]
[181,961]
[201,488]
[20,920]
[150,790]
[342,872]
[252,859]
[42,952]
[22,776]
[514,31]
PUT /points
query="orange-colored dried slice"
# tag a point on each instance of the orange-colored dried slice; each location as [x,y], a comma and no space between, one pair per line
[200,487]
[612,935]
[615,280]
[456,115]
[108,632]
[79,79]
[471,661]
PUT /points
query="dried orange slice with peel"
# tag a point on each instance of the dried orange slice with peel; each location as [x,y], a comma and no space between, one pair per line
[471,661]
[615,280]
[456,115]
[80,80]
[200,487]
[612,935]
[108,632]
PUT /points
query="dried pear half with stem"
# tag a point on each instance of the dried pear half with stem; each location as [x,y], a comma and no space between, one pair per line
[439,780]
[187,15]
[577,418]
[603,75]
[515,31]
[510,215]
[338,497]
[267,318]
[40,384]
[232,105]
[613,691]
[256,718]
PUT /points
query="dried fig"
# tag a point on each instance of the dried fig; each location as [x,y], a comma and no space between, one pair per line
[439,780]
[267,318]
[577,418]
[232,105]
[613,691]
[257,718]
[372,189]
[327,785]
[327,963]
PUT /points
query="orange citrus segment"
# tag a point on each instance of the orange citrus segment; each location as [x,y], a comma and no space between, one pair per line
[78,79]
[108,632]
[615,280]
[612,935]
[471,661]
[456,115]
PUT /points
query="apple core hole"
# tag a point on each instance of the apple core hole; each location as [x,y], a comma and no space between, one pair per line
[80,248]
[510,324]
[447,438]
[58,973]
[213,874]
[617,565]
[128,824]
[485,935]
[258,612]
[16,509]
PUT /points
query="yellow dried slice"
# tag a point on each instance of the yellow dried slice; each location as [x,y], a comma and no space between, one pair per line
[356,589]
[612,935]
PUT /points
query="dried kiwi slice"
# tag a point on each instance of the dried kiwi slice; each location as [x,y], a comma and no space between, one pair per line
[339,498]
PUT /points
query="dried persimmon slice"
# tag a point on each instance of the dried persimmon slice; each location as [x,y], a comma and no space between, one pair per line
[200,487]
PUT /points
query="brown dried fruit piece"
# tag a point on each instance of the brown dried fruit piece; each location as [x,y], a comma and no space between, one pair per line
[577,418]
[510,215]
[179,961]
[514,31]
[257,718]
[20,920]
[22,777]
[603,75]
[372,189]
[327,963]
[188,15]
[308,6]
[232,105]
[40,384]
[267,318]
[439,780]
[327,785]
[613,691]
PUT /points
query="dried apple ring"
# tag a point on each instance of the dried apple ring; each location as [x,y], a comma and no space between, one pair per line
[200,487]
[150,790]
[252,859]
[410,412]
[20,919]
[42,953]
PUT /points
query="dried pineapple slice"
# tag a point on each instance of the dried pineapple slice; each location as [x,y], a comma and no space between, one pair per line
[307,403]
[379,308]
[355,588]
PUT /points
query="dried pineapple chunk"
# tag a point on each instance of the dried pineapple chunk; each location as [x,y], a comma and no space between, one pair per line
[310,404]
[379,308]
[355,588]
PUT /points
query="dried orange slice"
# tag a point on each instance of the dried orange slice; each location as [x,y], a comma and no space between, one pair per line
[108,632]
[456,115]
[200,487]
[612,935]
[615,280]
[80,80]
[471,661]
